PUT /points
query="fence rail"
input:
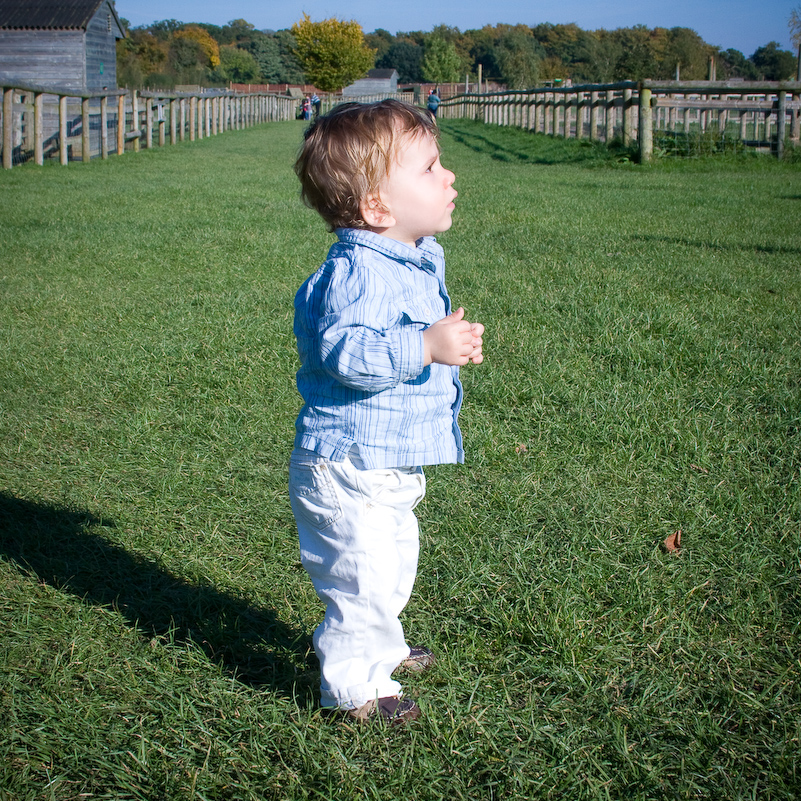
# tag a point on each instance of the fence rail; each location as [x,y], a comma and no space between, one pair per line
[39,122]
[763,114]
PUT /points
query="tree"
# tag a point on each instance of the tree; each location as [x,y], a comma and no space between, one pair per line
[332,53]
[266,51]
[164,29]
[774,64]
[638,60]
[441,62]
[236,66]
[139,55]
[518,55]
[687,49]
[794,24]
[208,46]
[292,70]
[380,41]
[406,57]
[732,63]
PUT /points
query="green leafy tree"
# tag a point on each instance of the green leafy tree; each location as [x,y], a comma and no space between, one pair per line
[773,63]
[240,30]
[732,63]
[604,53]
[380,41]
[406,57]
[236,66]
[686,48]
[441,62]
[165,29]
[482,51]
[518,56]
[292,69]
[139,55]
[332,53]
[266,52]
[207,47]
[638,60]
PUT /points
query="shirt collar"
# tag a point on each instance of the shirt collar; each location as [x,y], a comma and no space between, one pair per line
[421,256]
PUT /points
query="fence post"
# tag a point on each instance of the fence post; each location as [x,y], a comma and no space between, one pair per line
[135,119]
[121,125]
[627,116]
[104,127]
[781,124]
[646,126]
[38,132]
[173,120]
[86,145]
[611,114]
[63,148]
[8,135]
[149,123]
[192,118]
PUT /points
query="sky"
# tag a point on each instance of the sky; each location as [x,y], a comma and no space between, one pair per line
[743,25]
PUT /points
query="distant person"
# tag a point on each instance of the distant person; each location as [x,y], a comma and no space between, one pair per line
[380,350]
[306,108]
[316,103]
[433,102]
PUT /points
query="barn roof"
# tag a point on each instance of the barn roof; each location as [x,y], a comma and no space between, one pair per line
[50,14]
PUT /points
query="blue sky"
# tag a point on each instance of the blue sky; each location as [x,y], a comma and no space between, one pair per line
[742,24]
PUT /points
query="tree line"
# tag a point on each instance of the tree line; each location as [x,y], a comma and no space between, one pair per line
[331,54]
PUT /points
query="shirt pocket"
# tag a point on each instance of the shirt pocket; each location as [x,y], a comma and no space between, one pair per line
[313,495]
[419,314]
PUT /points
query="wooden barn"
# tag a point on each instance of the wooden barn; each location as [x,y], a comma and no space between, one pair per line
[377,82]
[69,45]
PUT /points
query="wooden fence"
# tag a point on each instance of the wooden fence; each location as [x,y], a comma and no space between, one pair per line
[39,123]
[758,114]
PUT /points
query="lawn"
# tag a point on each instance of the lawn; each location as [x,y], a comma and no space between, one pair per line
[642,376]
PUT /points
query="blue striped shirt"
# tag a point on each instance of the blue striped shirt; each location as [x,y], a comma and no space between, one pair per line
[359,322]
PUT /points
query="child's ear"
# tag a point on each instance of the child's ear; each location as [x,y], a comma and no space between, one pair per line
[375,213]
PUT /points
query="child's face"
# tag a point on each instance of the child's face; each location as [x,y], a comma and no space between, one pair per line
[418,193]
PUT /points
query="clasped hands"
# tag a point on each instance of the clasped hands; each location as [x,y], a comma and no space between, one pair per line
[453,340]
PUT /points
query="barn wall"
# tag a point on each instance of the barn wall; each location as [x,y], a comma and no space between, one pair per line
[101,50]
[48,58]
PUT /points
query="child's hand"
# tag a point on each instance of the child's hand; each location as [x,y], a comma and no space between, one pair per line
[477,330]
[452,340]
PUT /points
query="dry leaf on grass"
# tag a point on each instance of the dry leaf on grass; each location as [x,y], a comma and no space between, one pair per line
[673,542]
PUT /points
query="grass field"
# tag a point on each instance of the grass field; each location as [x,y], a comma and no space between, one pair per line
[642,375]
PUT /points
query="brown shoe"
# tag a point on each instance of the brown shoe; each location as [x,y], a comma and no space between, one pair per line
[419,659]
[392,710]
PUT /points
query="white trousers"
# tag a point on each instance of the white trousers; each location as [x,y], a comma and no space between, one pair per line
[359,543]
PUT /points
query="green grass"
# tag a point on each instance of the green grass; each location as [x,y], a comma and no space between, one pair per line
[642,375]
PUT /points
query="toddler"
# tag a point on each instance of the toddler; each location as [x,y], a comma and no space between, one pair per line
[380,351]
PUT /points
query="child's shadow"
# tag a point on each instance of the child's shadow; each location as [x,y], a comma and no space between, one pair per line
[64,549]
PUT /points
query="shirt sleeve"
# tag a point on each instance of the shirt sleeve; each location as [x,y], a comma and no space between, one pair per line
[366,340]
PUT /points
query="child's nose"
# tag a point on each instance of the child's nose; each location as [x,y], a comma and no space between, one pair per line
[449,177]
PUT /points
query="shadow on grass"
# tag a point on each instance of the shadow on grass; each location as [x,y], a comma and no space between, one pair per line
[62,548]
[697,243]
[514,145]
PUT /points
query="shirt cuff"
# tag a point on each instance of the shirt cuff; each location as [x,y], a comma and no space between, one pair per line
[411,355]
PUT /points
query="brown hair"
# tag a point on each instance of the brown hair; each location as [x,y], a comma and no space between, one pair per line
[348,152]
